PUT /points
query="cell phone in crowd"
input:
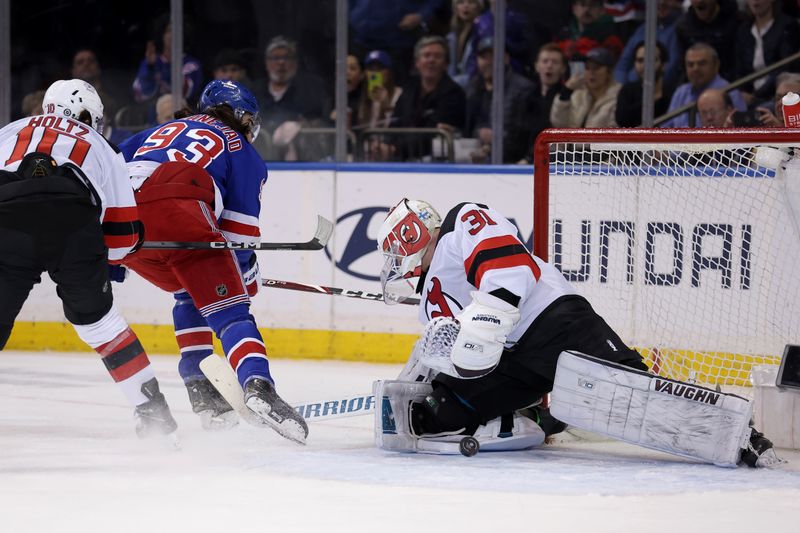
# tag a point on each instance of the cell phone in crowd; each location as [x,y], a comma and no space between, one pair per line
[576,68]
[746,119]
[374,79]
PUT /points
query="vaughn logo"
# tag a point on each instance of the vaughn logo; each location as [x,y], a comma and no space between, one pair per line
[687,391]
[486,318]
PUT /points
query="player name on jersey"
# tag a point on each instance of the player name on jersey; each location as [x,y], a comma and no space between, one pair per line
[697,394]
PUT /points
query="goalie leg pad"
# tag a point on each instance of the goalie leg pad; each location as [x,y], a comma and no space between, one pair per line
[393,425]
[393,401]
[650,411]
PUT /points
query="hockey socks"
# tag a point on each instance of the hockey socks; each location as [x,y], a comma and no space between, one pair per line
[127,363]
[194,336]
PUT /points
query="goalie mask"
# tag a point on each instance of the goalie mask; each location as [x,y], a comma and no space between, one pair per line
[74,99]
[403,239]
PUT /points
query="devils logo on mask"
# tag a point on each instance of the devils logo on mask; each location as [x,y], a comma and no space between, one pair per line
[410,235]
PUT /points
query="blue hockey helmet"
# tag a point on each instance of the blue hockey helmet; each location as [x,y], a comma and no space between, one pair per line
[234,95]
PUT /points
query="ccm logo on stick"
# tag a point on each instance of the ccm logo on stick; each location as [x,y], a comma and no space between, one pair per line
[234,245]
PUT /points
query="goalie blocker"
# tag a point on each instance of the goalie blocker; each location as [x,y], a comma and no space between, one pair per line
[655,412]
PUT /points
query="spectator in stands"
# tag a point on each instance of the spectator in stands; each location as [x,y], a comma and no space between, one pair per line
[627,15]
[702,70]
[521,37]
[766,36]
[290,98]
[460,38]
[154,75]
[519,109]
[32,104]
[668,13]
[785,82]
[230,65]
[714,106]
[394,26]
[86,67]
[356,91]
[590,27]
[164,110]
[550,68]
[381,94]
[713,22]
[591,100]
[430,100]
[630,98]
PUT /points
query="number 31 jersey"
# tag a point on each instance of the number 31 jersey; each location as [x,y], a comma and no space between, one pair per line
[479,249]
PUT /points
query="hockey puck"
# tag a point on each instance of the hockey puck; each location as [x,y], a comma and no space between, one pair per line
[469,446]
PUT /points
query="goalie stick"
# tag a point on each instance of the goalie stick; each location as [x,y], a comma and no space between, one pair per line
[318,242]
[333,291]
[222,376]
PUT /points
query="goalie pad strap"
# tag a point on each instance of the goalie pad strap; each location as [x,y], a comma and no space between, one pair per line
[651,411]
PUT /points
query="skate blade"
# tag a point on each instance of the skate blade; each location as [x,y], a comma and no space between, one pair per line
[290,429]
[173,441]
[223,422]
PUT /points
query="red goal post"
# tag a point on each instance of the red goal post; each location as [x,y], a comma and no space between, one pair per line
[682,240]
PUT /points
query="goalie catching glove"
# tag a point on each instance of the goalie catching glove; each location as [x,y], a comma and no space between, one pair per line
[471,345]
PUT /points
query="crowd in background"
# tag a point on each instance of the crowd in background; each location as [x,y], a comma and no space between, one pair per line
[428,64]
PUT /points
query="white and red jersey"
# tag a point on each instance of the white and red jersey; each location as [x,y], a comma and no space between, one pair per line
[70,141]
[479,249]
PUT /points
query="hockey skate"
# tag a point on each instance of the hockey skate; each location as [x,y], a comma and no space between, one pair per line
[215,413]
[153,417]
[759,452]
[262,399]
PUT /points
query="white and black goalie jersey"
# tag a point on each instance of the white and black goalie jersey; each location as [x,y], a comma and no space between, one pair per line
[478,248]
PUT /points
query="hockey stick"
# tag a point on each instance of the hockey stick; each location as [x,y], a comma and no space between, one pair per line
[318,242]
[221,375]
[333,291]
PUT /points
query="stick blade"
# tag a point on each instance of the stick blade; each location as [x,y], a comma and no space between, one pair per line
[222,376]
[324,231]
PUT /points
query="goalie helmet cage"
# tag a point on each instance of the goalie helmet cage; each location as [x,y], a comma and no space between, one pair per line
[686,246]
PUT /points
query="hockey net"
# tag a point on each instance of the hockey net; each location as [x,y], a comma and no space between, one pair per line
[680,239]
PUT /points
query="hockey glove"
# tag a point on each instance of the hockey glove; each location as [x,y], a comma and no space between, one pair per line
[117,273]
[485,324]
[431,353]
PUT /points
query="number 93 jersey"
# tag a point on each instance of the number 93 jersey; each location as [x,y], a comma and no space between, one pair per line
[238,171]
[478,248]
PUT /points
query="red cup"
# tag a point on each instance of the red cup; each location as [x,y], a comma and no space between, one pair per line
[791,110]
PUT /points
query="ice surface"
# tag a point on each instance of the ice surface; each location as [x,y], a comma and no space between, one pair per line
[69,462]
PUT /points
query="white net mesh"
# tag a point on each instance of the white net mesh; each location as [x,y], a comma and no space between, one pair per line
[691,255]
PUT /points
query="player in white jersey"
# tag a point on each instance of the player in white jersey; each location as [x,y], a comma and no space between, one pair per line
[67,208]
[512,315]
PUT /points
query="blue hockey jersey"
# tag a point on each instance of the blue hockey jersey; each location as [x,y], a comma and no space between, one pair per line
[238,171]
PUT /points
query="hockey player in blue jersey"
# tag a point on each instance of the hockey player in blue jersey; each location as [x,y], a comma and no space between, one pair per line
[170,167]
